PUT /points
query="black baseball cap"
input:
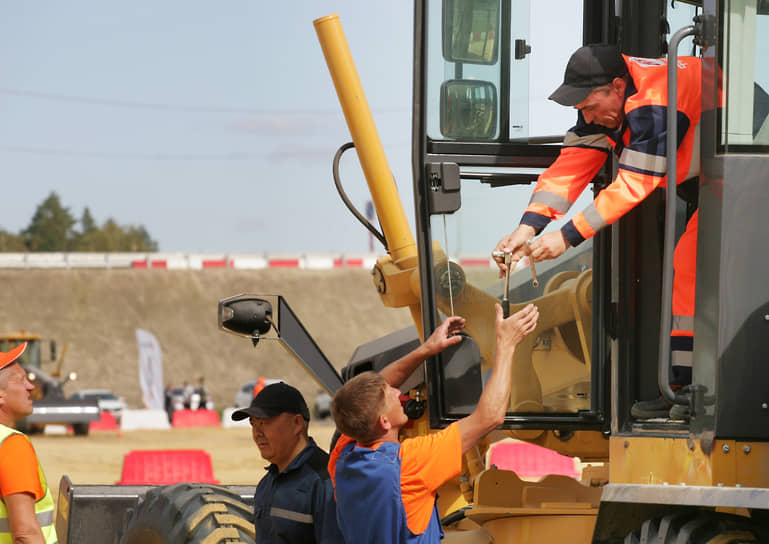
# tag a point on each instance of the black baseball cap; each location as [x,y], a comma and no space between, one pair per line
[273,400]
[589,67]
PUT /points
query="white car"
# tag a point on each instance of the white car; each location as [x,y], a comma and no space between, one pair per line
[246,392]
[107,400]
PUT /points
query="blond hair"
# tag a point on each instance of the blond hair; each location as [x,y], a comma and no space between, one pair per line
[357,406]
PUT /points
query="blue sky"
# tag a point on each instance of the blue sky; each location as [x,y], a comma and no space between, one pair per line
[213,124]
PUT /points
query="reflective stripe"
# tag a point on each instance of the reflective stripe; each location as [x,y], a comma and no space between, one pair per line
[288,514]
[43,518]
[682,358]
[694,162]
[599,141]
[552,200]
[652,164]
[683,322]
[594,218]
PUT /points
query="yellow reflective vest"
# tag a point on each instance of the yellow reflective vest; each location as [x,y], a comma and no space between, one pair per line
[43,508]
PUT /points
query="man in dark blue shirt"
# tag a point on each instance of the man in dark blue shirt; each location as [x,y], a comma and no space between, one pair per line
[294,502]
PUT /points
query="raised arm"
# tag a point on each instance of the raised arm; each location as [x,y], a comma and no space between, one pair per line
[447,334]
[490,412]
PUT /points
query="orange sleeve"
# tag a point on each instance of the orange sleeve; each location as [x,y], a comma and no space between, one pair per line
[341,443]
[18,469]
[427,462]
[562,183]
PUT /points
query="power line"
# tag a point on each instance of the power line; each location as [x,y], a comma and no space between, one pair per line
[226,156]
[24,93]
[149,105]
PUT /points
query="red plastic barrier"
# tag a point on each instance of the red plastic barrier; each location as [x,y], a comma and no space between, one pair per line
[531,461]
[163,467]
[195,418]
[105,423]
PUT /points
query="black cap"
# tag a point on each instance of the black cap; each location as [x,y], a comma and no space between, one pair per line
[273,400]
[589,67]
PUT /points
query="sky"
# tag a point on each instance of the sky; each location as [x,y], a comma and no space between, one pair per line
[213,124]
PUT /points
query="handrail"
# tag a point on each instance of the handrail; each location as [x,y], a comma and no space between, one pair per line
[671,149]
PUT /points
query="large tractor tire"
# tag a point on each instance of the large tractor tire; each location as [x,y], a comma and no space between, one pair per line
[188,514]
[81,429]
[696,528]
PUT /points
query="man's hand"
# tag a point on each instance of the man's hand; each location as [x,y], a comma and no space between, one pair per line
[512,330]
[495,397]
[514,243]
[548,246]
[444,336]
[447,334]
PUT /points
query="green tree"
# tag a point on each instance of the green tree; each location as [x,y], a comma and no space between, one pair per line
[11,243]
[51,228]
[114,237]
[87,223]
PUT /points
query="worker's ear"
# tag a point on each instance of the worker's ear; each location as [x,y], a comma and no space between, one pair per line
[383,424]
[618,85]
[298,421]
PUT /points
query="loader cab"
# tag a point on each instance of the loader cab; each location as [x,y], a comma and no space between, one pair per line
[32,354]
[483,132]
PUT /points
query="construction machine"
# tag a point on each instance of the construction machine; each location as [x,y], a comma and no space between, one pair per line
[602,342]
[50,405]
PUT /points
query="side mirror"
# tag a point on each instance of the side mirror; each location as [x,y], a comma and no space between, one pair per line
[468,110]
[270,317]
[246,315]
[471,31]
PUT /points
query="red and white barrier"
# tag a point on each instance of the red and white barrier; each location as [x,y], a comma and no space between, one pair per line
[201,261]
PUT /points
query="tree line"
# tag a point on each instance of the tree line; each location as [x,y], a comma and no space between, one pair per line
[54,228]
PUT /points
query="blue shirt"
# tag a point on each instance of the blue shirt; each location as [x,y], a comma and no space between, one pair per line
[381,517]
[297,506]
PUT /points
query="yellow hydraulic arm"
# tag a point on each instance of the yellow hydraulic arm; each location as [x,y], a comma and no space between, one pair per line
[397,274]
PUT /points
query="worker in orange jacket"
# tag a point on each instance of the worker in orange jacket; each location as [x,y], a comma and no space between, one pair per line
[622,108]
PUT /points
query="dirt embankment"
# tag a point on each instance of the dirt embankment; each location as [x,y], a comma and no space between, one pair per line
[97,312]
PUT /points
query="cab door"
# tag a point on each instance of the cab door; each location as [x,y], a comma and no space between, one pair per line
[483,131]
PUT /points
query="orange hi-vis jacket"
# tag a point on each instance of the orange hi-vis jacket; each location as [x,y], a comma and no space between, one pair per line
[639,143]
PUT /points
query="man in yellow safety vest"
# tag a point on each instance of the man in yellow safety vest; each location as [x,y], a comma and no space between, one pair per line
[26,503]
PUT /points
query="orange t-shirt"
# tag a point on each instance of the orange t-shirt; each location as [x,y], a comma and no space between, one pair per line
[427,462]
[18,468]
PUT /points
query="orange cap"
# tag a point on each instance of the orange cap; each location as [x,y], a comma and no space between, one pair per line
[8,358]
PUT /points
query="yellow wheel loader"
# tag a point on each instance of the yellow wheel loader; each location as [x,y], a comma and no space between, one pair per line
[482,134]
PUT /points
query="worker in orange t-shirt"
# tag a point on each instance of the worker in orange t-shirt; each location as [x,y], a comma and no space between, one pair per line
[26,503]
[386,490]
[258,386]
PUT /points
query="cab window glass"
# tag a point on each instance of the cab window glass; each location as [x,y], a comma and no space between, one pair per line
[745,73]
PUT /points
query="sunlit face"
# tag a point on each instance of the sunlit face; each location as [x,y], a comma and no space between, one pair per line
[394,408]
[15,397]
[605,105]
[277,437]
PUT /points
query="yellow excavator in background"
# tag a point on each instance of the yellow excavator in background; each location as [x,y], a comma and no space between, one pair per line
[50,404]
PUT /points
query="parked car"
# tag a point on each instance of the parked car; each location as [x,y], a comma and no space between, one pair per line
[246,392]
[106,399]
[322,408]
